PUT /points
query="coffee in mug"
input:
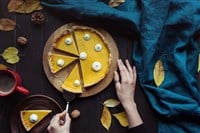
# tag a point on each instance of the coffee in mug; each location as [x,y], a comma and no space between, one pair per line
[10,81]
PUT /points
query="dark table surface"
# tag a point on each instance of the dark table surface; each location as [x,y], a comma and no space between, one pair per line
[31,70]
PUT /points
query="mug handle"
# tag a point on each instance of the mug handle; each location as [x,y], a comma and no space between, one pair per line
[22,90]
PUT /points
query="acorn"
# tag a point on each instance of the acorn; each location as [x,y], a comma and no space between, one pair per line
[22,40]
[75,113]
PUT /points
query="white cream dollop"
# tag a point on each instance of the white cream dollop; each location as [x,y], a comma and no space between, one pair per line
[77,83]
[83,55]
[60,62]
[33,118]
[86,37]
[98,47]
[96,66]
[68,41]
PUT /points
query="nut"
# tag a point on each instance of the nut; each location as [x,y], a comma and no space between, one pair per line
[38,18]
[22,40]
[75,113]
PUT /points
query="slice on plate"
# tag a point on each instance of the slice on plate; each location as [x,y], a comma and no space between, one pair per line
[58,61]
[73,81]
[30,118]
[66,43]
[95,57]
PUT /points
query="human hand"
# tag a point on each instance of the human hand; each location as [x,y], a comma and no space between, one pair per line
[60,123]
[126,91]
[126,88]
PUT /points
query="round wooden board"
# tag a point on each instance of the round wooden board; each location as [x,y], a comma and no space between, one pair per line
[57,79]
[36,102]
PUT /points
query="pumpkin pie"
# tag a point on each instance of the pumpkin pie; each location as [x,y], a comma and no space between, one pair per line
[73,81]
[66,43]
[30,118]
[94,58]
[95,65]
[58,61]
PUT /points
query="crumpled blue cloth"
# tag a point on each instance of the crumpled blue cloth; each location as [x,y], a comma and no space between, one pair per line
[167,30]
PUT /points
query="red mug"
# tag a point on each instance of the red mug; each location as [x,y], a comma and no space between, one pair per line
[9,82]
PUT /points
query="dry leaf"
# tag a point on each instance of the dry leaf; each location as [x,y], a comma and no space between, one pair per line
[39,8]
[24,6]
[3,67]
[158,73]
[122,118]
[14,5]
[106,118]
[111,103]
[199,64]
[7,24]
[115,3]
[10,54]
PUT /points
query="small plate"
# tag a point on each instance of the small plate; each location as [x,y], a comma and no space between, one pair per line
[30,103]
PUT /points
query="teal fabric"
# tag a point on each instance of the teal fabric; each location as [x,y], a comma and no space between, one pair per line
[166,30]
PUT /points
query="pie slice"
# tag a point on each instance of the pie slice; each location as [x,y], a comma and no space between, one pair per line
[73,82]
[58,61]
[94,56]
[66,43]
[30,118]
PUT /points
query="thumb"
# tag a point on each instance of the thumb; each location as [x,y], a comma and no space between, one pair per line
[63,114]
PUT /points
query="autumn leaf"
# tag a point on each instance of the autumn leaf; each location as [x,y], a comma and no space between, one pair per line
[38,8]
[3,67]
[24,6]
[111,103]
[13,60]
[7,24]
[10,54]
[106,118]
[115,3]
[122,118]
[158,73]
[14,5]
[199,64]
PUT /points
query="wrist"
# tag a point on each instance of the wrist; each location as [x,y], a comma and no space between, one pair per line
[130,104]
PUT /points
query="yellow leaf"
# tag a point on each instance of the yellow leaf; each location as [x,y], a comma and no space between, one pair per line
[10,52]
[7,24]
[122,118]
[106,118]
[23,6]
[111,103]
[158,73]
[13,60]
[199,64]
[115,3]
[3,67]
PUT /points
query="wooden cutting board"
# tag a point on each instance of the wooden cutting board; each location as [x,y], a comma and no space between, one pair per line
[57,79]
[30,103]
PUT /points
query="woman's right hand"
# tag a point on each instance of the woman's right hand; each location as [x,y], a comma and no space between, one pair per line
[60,123]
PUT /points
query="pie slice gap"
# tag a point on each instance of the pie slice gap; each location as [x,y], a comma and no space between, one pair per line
[30,118]
[95,57]
[73,81]
[57,61]
[65,42]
